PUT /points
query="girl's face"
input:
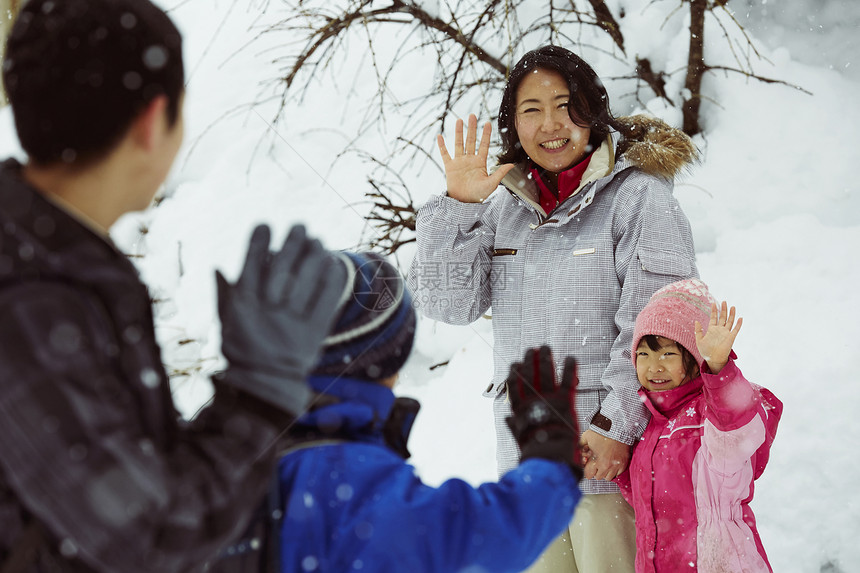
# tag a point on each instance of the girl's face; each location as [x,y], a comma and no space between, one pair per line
[548,135]
[661,369]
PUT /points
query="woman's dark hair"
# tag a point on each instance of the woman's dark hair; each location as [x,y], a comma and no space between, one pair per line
[691,367]
[589,103]
[77,72]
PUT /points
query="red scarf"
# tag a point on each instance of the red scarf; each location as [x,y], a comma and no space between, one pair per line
[568,182]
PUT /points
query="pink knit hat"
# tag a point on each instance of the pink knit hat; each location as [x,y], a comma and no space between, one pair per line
[672,313]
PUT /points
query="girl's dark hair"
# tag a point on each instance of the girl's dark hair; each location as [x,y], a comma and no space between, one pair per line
[691,367]
[589,103]
[77,73]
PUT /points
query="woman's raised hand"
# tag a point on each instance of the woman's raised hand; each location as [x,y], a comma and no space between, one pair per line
[466,172]
[715,345]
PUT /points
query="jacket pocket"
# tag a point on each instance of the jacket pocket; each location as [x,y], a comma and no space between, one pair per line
[663,262]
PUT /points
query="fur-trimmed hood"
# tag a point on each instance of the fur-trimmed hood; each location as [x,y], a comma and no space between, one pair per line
[655,147]
[645,142]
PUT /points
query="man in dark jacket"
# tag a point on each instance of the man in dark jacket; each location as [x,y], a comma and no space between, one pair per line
[97,471]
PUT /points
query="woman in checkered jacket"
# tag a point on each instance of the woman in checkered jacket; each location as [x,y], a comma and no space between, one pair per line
[566,240]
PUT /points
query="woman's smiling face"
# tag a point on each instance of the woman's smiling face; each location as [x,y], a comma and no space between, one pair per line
[544,127]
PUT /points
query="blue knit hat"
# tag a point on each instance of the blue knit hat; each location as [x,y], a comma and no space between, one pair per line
[375,328]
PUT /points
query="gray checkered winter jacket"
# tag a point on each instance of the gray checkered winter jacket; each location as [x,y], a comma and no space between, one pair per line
[574,278]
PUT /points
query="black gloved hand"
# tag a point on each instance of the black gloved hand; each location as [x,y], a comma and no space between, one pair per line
[544,414]
[274,319]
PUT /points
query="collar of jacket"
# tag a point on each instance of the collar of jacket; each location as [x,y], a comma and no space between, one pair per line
[647,143]
[44,229]
[666,403]
[568,184]
[362,411]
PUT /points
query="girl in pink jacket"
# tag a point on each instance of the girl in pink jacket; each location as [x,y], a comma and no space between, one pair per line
[691,477]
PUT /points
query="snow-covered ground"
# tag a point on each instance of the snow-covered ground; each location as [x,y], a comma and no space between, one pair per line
[775,208]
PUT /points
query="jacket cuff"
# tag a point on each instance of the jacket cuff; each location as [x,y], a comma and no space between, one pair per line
[290,396]
[464,215]
[726,375]
[603,425]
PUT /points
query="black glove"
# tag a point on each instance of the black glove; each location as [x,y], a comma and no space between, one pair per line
[544,414]
[274,319]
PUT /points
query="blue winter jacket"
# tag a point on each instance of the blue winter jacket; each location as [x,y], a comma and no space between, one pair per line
[356,505]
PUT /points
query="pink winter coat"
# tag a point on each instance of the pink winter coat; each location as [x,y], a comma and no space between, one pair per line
[691,476]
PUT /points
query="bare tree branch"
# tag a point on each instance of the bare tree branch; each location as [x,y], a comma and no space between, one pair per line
[695,67]
[759,78]
[655,80]
[607,22]
[380,15]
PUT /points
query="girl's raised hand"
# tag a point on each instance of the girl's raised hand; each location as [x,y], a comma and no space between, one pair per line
[466,172]
[715,345]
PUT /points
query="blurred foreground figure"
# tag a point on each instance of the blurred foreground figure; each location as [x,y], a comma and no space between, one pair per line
[350,500]
[97,472]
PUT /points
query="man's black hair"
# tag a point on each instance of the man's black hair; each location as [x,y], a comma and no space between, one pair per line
[77,72]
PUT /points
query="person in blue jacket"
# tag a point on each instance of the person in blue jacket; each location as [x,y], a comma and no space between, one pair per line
[350,500]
